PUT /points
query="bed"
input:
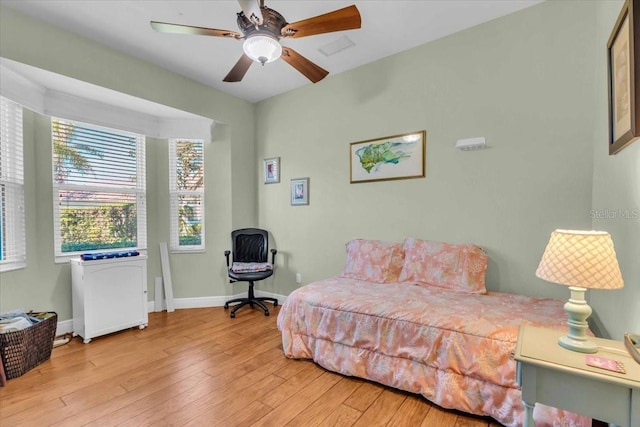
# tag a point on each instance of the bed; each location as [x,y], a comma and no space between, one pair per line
[416,316]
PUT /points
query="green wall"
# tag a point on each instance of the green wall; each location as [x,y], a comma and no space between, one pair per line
[230,176]
[616,199]
[519,81]
[532,83]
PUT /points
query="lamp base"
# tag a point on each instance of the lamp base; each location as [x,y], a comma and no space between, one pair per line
[577,345]
[578,312]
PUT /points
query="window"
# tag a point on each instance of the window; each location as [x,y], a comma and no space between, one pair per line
[12,226]
[99,189]
[186,189]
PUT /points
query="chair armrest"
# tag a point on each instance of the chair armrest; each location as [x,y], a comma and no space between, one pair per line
[273,256]
[226,254]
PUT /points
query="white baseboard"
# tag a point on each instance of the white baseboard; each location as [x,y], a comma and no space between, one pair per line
[66,326]
[204,302]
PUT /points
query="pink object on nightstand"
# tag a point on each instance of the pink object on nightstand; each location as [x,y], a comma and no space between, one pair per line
[605,363]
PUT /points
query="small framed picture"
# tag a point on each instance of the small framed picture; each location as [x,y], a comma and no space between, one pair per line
[272,170]
[299,191]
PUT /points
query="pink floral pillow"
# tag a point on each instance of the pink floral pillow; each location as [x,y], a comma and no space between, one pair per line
[373,260]
[456,267]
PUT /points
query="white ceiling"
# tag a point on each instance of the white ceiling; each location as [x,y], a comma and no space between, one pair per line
[388,27]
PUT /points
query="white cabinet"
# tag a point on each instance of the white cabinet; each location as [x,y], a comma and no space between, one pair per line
[109,295]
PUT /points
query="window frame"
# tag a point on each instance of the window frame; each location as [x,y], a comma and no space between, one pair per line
[13,243]
[139,192]
[175,193]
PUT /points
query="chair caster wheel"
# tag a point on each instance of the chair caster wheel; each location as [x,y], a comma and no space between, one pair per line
[266,313]
[226,306]
[275,304]
[233,315]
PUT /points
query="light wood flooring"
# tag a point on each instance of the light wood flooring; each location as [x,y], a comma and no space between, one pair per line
[198,367]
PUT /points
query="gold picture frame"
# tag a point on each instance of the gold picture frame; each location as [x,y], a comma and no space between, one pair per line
[392,157]
[624,78]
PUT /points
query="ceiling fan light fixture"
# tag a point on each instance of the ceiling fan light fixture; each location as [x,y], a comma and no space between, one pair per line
[262,48]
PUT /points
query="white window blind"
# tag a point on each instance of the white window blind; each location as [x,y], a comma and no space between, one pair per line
[12,225]
[99,189]
[186,193]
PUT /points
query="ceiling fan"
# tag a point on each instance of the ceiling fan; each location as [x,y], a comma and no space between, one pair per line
[262,28]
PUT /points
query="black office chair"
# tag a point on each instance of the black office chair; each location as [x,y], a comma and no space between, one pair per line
[250,247]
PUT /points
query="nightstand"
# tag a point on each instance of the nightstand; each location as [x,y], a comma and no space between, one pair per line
[554,376]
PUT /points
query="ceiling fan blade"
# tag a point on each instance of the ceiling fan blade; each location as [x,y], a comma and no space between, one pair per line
[239,70]
[251,9]
[310,70]
[165,27]
[347,18]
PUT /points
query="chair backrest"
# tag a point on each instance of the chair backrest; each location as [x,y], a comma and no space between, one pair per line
[249,245]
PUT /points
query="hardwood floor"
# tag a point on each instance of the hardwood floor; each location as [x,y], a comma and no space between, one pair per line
[198,367]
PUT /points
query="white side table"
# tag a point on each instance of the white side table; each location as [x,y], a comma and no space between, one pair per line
[108,295]
[554,376]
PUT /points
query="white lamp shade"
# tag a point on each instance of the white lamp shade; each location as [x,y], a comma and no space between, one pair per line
[262,48]
[585,259]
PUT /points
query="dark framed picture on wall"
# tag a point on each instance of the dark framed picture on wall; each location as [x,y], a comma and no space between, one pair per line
[623,56]
[272,170]
[299,191]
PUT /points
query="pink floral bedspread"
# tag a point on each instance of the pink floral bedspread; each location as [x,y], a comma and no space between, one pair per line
[453,348]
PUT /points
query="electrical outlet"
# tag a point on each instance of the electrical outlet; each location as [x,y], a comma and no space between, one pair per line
[298,278]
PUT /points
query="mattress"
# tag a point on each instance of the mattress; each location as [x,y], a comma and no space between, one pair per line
[455,349]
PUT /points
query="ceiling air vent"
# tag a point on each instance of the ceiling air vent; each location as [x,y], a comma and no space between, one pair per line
[334,47]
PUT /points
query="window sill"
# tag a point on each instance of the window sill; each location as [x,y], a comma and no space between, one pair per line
[188,251]
[10,266]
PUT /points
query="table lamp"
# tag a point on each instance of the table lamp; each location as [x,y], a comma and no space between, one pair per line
[580,259]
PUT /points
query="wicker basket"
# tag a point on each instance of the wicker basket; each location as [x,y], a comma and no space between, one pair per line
[23,350]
